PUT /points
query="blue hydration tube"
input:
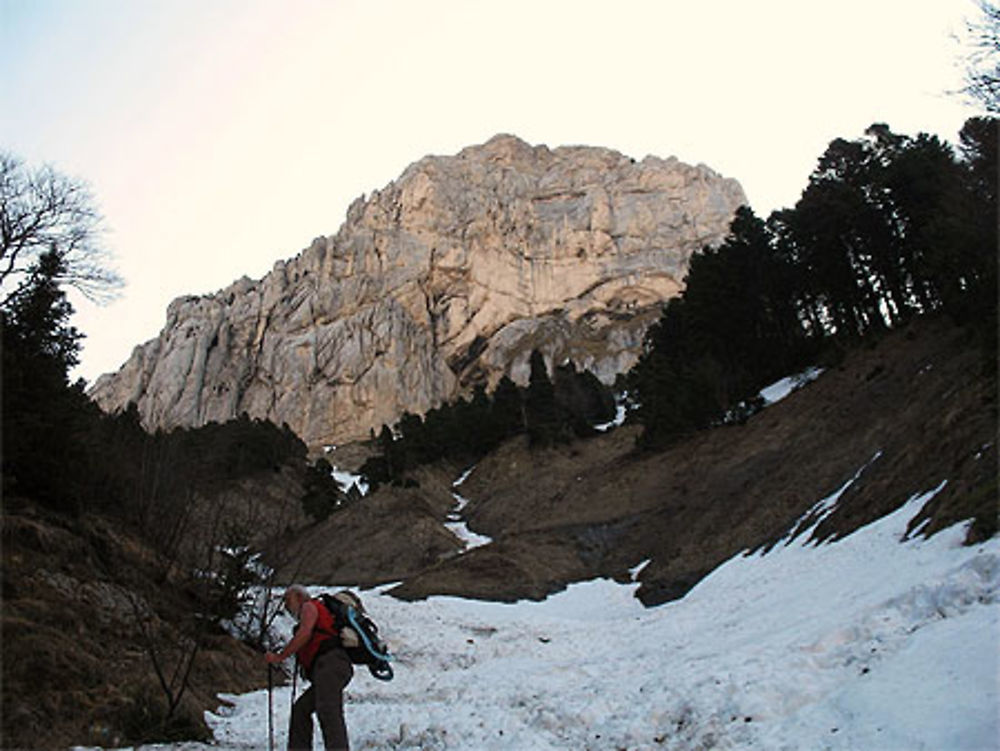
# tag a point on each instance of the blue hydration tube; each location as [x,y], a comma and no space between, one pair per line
[364,637]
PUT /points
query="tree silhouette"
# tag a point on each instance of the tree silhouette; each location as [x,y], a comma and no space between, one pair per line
[888,227]
[42,415]
[540,407]
[44,212]
[507,410]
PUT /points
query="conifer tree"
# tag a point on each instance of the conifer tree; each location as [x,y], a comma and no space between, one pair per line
[888,227]
[43,416]
[507,409]
[541,410]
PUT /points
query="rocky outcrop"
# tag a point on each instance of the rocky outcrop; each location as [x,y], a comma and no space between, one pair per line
[448,277]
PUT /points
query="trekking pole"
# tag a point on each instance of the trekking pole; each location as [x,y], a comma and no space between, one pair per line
[270,707]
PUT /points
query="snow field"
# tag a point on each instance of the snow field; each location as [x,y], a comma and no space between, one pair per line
[863,643]
[870,642]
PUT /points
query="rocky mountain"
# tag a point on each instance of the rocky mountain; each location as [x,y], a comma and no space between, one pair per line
[448,277]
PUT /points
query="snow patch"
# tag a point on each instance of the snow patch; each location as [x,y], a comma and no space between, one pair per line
[347,480]
[780,389]
[457,525]
[620,413]
[635,571]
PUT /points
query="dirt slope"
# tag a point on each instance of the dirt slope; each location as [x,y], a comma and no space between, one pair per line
[908,411]
[87,603]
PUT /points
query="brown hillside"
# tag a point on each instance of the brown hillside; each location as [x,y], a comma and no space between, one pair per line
[916,400]
[87,602]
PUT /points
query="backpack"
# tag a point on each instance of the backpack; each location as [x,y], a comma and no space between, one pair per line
[358,633]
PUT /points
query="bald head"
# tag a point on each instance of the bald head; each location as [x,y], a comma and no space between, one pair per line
[295,595]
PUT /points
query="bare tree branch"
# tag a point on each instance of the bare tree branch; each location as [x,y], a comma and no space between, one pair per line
[40,211]
[982,60]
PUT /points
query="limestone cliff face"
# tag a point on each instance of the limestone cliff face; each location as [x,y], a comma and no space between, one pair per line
[447,277]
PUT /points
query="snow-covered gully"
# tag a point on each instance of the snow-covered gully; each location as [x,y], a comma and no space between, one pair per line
[456,523]
[870,642]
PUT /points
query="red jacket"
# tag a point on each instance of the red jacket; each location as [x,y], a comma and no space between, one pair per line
[322,632]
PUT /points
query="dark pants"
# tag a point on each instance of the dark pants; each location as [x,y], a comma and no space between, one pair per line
[332,671]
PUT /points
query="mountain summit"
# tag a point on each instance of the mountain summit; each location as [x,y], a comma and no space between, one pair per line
[447,278]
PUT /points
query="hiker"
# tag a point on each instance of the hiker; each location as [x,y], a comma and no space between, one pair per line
[327,667]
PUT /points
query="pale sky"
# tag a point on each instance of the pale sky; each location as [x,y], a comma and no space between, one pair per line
[220,136]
